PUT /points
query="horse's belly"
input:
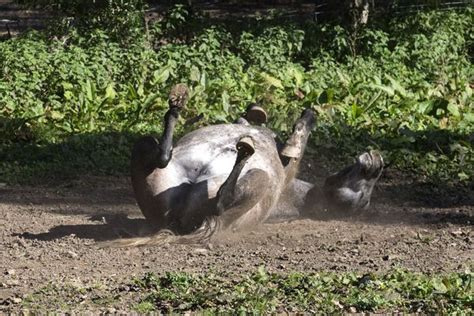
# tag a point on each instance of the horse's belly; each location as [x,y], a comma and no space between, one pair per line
[200,163]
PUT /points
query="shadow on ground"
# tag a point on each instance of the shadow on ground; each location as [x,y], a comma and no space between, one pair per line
[108,226]
[112,227]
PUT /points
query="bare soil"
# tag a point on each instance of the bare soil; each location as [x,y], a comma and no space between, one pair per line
[48,234]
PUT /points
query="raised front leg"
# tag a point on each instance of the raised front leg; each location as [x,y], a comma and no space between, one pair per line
[148,156]
[239,194]
[177,100]
[350,189]
[148,153]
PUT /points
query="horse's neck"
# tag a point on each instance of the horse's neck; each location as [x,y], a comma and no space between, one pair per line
[292,201]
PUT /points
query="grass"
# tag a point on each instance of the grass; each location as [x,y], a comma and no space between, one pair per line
[262,292]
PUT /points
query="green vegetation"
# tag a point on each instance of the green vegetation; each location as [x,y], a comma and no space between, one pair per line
[74,98]
[263,292]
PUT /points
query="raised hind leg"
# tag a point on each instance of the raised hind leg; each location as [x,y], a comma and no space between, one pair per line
[240,194]
[293,150]
[253,114]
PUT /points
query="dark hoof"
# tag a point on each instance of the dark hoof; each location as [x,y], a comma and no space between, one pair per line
[256,114]
[178,96]
[245,146]
[292,151]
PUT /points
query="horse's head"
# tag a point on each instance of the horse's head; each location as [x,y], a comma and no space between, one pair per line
[349,190]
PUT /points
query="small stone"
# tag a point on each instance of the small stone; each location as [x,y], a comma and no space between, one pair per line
[11,272]
[338,304]
[11,283]
[352,309]
[72,254]
[124,288]
[201,251]
[16,300]
[354,251]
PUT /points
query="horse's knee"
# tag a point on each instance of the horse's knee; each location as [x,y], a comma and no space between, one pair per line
[249,190]
[253,183]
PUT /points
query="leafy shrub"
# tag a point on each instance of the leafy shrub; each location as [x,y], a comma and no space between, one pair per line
[411,80]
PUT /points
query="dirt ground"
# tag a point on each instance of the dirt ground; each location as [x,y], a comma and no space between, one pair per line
[49,234]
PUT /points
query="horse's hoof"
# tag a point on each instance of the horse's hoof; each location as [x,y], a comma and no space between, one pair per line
[294,146]
[292,151]
[256,114]
[178,96]
[245,146]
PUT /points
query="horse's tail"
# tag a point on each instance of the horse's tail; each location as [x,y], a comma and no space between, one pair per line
[201,236]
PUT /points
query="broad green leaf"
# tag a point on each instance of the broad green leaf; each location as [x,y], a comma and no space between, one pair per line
[453,109]
[140,90]
[88,87]
[396,86]
[297,74]
[272,81]
[67,85]
[195,74]
[355,111]
[469,117]
[439,286]
[204,80]
[110,92]
[463,176]
[225,102]
[425,107]
[389,90]
[162,75]
[55,115]
[68,95]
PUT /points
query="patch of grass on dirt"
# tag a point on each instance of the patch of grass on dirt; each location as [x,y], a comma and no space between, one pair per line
[264,292]
[69,297]
[323,292]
